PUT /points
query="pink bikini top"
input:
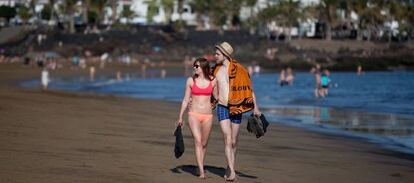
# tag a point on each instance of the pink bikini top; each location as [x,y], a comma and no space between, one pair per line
[195,90]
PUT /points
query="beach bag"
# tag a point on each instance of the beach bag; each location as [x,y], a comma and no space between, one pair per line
[179,142]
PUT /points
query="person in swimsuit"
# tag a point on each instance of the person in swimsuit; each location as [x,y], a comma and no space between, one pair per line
[199,89]
[318,87]
[282,78]
[289,76]
[230,124]
[325,81]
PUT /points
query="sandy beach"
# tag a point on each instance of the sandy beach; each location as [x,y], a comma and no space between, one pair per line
[54,136]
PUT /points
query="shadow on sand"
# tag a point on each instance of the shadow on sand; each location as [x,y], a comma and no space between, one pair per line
[219,171]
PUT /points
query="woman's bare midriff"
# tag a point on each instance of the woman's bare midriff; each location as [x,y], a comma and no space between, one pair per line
[200,104]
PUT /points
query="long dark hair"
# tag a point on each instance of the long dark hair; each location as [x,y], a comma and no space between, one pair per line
[205,67]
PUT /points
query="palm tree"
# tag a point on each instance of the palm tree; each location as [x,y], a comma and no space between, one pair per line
[410,20]
[211,8]
[45,13]
[180,4]
[98,6]
[24,13]
[127,12]
[291,12]
[286,13]
[252,22]
[114,4]
[365,14]
[69,9]
[32,5]
[251,4]
[52,9]
[86,4]
[168,6]
[328,14]
[232,10]
[393,12]
[152,10]
[7,12]
[220,12]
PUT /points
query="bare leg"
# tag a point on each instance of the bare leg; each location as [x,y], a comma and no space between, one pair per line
[321,92]
[316,93]
[234,138]
[228,146]
[195,127]
[205,133]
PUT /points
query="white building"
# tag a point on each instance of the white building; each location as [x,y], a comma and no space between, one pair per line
[306,27]
[309,2]
[140,9]
[11,3]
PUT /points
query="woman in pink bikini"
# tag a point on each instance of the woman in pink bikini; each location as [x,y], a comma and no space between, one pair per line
[199,89]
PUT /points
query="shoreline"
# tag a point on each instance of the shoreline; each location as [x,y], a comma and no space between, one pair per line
[375,134]
[58,136]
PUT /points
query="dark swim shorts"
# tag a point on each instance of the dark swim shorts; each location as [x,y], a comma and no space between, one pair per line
[223,113]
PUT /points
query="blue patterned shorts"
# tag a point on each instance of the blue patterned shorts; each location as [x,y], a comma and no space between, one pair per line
[223,113]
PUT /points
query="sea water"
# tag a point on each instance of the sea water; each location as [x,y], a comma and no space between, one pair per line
[377,106]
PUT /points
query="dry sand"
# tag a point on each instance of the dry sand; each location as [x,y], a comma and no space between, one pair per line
[64,137]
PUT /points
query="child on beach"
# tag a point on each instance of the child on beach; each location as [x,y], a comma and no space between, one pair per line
[325,81]
[199,89]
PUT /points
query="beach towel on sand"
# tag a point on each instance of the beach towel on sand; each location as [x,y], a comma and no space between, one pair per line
[240,95]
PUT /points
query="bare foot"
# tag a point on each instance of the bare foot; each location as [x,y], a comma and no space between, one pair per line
[202,176]
[231,177]
[226,174]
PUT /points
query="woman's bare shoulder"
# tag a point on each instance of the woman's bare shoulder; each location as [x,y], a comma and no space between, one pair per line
[190,81]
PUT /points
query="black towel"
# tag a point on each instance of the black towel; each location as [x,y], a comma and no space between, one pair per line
[255,125]
[179,142]
[264,122]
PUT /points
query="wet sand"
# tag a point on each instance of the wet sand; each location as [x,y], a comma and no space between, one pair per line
[57,136]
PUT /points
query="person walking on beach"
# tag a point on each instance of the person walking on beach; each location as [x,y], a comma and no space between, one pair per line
[235,97]
[199,89]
